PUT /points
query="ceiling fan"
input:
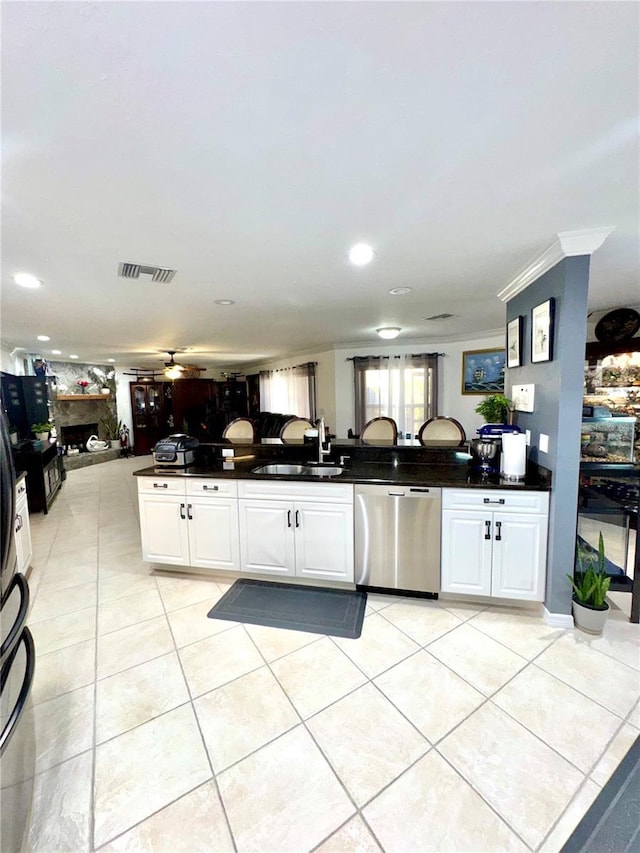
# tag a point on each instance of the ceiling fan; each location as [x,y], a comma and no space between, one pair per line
[174,370]
[172,366]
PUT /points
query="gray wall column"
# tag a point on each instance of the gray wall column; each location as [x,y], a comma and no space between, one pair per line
[558,408]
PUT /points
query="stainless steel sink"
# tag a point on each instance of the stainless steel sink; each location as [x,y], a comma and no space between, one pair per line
[280,468]
[322,470]
[284,469]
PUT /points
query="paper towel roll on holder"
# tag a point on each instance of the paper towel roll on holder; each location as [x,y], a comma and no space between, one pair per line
[513,464]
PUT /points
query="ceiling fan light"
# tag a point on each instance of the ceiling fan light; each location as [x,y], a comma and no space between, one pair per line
[389,332]
[174,371]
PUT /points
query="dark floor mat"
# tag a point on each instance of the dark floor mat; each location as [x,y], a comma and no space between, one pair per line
[319,610]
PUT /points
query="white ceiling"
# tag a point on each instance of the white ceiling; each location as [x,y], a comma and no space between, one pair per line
[248,145]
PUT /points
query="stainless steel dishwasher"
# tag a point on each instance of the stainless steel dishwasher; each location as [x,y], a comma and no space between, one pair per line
[397,538]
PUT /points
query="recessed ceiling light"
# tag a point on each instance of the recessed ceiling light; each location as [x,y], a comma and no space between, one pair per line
[25,279]
[111,360]
[224,302]
[44,338]
[73,356]
[361,254]
[400,291]
[56,352]
[389,332]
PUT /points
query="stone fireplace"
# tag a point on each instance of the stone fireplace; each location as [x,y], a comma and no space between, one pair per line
[76,435]
[76,419]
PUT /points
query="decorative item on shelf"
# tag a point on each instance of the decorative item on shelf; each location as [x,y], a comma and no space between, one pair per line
[42,430]
[40,367]
[496,409]
[83,385]
[618,325]
[590,586]
[103,379]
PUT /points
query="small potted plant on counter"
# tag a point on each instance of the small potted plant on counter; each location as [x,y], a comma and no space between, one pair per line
[42,430]
[495,409]
[590,587]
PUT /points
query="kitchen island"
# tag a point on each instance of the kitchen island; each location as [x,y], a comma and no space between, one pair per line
[220,515]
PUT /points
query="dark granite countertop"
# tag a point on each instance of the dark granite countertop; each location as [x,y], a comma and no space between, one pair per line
[437,474]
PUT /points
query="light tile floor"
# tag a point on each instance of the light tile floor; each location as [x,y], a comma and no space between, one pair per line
[446,726]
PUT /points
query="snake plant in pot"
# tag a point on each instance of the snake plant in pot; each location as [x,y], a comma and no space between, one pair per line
[590,586]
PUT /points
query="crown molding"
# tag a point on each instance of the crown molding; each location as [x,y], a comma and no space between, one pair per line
[567,244]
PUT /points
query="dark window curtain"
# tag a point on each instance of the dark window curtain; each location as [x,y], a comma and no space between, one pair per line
[360,366]
[309,370]
[381,388]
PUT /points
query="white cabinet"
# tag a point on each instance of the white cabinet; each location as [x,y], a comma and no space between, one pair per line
[22,527]
[189,522]
[494,543]
[297,529]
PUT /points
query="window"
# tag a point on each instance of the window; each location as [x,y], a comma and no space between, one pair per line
[290,391]
[403,387]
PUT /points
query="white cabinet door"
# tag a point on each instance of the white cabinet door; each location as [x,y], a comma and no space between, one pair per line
[267,537]
[22,528]
[213,533]
[324,541]
[519,556]
[466,552]
[163,529]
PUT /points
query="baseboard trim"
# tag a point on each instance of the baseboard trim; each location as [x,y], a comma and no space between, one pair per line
[557,620]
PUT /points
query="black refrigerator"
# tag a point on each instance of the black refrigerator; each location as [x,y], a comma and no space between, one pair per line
[17,668]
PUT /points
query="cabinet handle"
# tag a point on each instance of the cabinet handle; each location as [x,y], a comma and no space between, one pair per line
[499,531]
[182,515]
[161,485]
[210,488]
[297,518]
[288,518]
[487,534]
[19,522]
[189,508]
[489,501]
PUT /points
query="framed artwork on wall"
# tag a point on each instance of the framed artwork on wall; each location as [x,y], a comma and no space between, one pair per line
[483,371]
[514,342]
[542,317]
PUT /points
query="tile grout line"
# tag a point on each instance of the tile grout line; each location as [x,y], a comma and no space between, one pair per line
[197,721]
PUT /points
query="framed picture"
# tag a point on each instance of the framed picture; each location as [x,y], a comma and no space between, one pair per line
[483,371]
[514,342]
[542,331]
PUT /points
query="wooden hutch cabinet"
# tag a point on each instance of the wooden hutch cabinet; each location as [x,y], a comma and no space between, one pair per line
[150,415]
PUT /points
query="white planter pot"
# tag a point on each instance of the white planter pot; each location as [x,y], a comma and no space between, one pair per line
[42,436]
[589,619]
[115,444]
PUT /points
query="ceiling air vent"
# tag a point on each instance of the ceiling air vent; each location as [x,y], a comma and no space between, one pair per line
[127,270]
[439,317]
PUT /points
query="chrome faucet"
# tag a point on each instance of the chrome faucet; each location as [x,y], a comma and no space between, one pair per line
[322,440]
